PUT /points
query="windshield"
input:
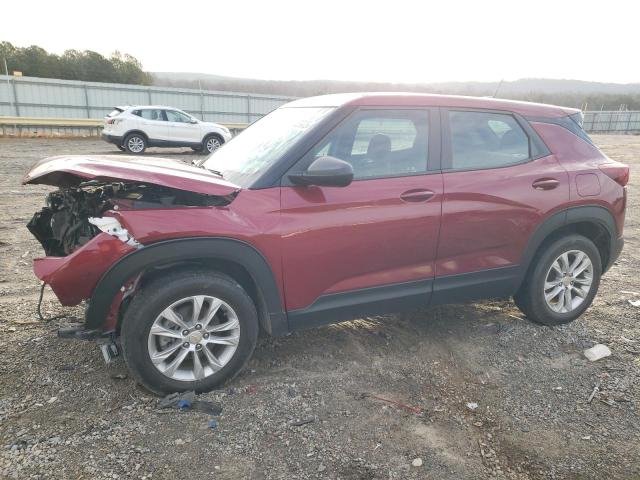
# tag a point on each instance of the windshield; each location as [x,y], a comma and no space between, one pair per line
[244,159]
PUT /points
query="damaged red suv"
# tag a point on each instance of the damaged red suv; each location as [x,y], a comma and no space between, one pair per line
[327,209]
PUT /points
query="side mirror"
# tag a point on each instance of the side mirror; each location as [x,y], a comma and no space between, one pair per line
[193,120]
[325,172]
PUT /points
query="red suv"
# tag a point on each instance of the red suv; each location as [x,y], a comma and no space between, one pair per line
[327,209]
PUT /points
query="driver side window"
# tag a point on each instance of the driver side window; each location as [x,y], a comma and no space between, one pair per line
[174,116]
[380,143]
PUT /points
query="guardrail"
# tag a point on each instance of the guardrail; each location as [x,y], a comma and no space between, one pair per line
[594,122]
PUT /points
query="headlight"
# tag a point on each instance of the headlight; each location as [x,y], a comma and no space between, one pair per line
[112,227]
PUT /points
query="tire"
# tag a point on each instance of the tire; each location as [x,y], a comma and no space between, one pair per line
[138,343]
[135,143]
[211,143]
[543,281]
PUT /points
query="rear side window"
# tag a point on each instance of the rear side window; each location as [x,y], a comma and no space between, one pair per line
[150,114]
[486,140]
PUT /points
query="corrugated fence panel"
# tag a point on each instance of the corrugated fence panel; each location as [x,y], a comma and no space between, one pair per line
[52,98]
[6,99]
[612,122]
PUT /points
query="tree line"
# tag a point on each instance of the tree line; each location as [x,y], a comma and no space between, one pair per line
[86,65]
[567,95]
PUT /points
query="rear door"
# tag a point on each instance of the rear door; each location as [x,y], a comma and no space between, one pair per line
[500,182]
[374,240]
[153,123]
[181,129]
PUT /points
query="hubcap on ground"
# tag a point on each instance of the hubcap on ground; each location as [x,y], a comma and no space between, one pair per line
[135,144]
[568,281]
[213,144]
[193,338]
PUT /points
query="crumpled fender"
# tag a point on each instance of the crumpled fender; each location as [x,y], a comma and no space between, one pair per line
[74,277]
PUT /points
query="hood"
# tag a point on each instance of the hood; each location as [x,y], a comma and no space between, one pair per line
[71,170]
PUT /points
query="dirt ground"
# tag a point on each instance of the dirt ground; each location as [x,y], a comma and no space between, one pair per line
[65,414]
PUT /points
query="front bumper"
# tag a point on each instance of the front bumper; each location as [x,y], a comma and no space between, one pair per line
[115,139]
[73,278]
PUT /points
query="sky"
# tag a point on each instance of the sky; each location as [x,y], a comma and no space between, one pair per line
[383,41]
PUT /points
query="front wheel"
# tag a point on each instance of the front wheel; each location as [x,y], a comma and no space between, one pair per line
[192,331]
[563,281]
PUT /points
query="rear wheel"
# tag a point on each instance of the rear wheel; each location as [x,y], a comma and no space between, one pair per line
[135,143]
[212,143]
[563,281]
[191,331]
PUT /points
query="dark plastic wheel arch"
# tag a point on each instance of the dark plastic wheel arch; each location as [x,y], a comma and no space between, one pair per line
[184,250]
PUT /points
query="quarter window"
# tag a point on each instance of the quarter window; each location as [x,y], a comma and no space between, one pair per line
[380,143]
[486,140]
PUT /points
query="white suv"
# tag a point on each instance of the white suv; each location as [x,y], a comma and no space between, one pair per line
[133,129]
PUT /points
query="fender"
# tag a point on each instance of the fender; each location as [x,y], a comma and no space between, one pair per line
[172,251]
[573,215]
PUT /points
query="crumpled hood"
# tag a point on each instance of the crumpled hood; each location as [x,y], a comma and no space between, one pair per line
[70,170]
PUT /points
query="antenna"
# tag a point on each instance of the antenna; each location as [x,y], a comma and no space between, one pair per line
[495,94]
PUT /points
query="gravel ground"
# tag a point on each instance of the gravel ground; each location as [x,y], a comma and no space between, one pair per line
[383,397]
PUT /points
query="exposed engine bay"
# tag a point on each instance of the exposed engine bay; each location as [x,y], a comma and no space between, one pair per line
[63,225]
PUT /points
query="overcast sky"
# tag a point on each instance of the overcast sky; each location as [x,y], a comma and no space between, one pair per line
[397,41]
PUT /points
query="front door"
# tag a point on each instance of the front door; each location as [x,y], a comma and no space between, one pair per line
[370,245]
[181,128]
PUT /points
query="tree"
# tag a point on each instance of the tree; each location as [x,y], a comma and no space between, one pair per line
[85,65]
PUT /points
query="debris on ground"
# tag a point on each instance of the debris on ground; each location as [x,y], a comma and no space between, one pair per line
[417,462]
[596,387]
[597,352]
[472,405]
[411,409]
[187,401]
[299,423]
[213,424]
[635,303]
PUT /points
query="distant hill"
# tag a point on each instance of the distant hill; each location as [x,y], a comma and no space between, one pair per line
[573,93]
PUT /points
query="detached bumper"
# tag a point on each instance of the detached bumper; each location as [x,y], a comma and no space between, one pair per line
[73,278]
[115,139]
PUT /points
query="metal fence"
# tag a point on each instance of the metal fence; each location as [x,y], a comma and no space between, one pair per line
[612,122]
[52,98]
[36,99]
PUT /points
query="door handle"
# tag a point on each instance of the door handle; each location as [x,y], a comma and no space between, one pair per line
[417,195]
[545,184]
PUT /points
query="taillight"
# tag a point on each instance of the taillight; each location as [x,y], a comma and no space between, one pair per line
[108,120]
[618,172]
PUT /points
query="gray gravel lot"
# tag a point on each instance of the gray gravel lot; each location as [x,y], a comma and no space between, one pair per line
[378,393]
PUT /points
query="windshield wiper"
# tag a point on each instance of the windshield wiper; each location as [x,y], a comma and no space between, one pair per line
[215,172]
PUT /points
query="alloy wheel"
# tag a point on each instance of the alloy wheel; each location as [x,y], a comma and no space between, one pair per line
[193,338]
[135,144]
[568,281]
[213,144]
